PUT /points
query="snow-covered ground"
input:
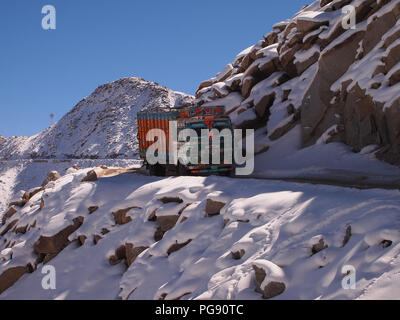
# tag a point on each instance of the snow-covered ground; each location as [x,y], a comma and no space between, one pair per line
[272,225]
[333,162]
[17,175]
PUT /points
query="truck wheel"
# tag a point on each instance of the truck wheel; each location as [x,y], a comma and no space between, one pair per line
[157,170]
[182,171]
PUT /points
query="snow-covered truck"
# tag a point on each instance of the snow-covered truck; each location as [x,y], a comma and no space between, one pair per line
[207,118]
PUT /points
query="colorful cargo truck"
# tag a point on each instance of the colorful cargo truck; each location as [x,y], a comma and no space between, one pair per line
[200,120]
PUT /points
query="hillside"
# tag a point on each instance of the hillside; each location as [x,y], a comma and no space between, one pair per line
[102,125]
[310,82]
[137,237]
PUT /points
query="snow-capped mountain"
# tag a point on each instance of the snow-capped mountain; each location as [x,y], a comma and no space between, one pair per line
[102,125]
[311,81]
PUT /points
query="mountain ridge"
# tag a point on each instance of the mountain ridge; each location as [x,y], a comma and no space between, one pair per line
[101,125]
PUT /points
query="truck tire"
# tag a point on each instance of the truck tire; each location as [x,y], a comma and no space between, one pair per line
[182,171]
[157,170]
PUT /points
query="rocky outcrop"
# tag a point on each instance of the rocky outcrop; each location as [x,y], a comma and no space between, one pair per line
[330,76]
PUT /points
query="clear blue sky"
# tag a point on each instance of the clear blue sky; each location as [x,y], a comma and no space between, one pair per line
[177,43]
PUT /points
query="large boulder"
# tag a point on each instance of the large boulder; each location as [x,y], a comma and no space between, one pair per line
[54,244]
[269,278]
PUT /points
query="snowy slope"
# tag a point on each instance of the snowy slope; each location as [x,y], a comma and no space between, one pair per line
[24,174]
[275,226]
[102,125]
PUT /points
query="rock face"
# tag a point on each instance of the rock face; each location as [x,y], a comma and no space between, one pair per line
[325,76]
[101,125]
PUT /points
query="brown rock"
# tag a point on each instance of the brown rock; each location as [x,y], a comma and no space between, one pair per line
[92,209]
[120,216]
[304,65]
[81,240]
[21,229]
[177,246]
[51,176]
[34,192]
[165,223]
[323,3]
[272,289]
[347,236]
[386,243]
[238,254]
[206,84]
[9,227]
[376,29]
[394,78]
[20,203]
[318,247]
[213,208]
[264,104]
[126,252]
[131,253]
[247,85]
[306,25]
[281,131]
[8,214]
[54,244]
[170,199]
[317,113]
[90,176]
[11,276]
[96,239]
